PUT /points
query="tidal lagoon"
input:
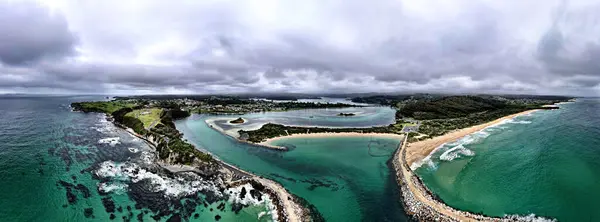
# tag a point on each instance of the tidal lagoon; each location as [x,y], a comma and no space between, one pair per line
[346,178]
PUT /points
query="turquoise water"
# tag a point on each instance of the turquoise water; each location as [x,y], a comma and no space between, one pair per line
[58,165]
[347,179]
[544,164]
[54,164]
[364,117]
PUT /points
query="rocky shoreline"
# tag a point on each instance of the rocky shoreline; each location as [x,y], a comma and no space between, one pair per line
[421,204]
[286,205]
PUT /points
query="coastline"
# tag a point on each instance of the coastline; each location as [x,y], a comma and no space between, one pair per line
[269,141]
[211,123]
[416,152]
[286,206]
[418,201]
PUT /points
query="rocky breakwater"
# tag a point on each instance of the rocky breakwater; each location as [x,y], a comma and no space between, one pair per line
[423,205]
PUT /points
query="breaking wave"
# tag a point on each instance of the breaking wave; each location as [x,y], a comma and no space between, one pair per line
[529,218]
[175,187]
[112,141]
[456,152]
[114,187]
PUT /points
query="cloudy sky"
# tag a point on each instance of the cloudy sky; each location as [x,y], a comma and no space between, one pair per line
[310,46]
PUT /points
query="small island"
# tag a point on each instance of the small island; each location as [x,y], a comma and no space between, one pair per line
[346,114]
[237,121]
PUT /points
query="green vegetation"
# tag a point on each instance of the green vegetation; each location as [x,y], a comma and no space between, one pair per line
[147,116]
[169,143]
[237,121]
[271,130]
[451,107]
[103,106]
[442,115]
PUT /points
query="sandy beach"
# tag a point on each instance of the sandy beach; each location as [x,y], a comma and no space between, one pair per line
[270,141]
[418,151]
[417,197]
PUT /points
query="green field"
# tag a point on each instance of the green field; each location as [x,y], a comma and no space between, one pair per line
[149,117]
[104,106]
[409,124]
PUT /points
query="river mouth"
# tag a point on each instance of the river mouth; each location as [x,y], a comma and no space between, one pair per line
[351,172]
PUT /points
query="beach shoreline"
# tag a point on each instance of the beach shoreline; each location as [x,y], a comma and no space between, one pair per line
[418,201]
[418,151]
[326,135]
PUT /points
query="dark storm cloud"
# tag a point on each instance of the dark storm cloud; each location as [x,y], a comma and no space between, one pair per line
[301,46]
[571,46]
[30,33]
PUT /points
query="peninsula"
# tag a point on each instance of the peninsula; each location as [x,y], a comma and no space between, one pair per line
[155,126]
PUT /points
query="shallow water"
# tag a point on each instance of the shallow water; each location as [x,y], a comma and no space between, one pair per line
[347,179]
[364,117]
[544,164]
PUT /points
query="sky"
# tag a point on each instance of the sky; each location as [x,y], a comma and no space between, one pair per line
[308,46]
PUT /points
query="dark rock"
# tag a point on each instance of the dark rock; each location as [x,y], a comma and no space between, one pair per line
[221,206]
[112,216]
[88,212]
[236,207]
[109,205]
[217,217]
[120,209]
[174,218]
[128,208]
[84,190]
[196,215]
[70,196]
[243,193]
[256,194]
[140,217]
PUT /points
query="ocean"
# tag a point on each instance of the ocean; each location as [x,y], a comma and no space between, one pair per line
[545,164]
[58,165]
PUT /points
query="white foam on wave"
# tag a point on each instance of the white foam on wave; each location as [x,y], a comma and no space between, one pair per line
[112,141]
[247,200]
[175,187]
[103,125]
[261,214]
[521,122]
[529,218]
[427,160]
[114,187]
[234,197]
[456,152]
